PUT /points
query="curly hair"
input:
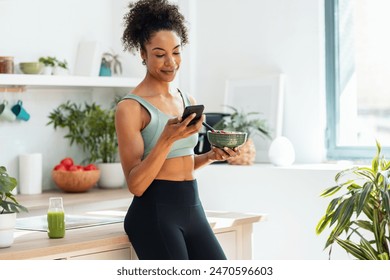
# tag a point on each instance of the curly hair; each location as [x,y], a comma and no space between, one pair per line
[149,16]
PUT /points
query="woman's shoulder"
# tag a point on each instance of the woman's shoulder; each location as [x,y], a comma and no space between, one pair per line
[134,98]
[127,105]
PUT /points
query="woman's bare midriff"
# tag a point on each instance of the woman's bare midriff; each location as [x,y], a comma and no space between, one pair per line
[177,169]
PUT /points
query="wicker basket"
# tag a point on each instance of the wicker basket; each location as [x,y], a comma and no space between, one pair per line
[75,181]
[247,154]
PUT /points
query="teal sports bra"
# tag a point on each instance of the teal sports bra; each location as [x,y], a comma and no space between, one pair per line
[153,130]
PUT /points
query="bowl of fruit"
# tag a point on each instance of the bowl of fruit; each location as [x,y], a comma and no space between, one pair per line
[74,178]
[230,139]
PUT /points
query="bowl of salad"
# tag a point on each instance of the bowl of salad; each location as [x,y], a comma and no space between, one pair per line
[230,139]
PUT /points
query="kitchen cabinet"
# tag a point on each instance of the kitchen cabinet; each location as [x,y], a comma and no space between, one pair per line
[118,254]
[230,240]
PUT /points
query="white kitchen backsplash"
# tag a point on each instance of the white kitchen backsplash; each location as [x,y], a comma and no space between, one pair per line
[35,136]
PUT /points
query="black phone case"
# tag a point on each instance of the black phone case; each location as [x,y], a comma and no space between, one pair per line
[198,109]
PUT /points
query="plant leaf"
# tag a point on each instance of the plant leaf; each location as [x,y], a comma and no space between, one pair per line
[384,256]
[324,221]
[386,201]
[344,172]
[368,249]
[365,225]
[330,191]
[363,197]
[351,248]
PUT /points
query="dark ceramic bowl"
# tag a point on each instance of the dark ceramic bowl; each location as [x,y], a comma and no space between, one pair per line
[230,139]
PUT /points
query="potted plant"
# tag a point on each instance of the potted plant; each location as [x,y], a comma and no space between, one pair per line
[49,62]
[61,67]
[244,122]
[93,129]
[359,219]
[9,206]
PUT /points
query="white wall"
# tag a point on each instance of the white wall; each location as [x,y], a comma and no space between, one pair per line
[30,29]
[249,38]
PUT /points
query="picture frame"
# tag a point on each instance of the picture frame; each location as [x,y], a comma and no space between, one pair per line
[265,95]
[88,60]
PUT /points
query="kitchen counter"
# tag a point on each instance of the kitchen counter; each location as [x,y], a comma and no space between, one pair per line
[109,241]
[96,198]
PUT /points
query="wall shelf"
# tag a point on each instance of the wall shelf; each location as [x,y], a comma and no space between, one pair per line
[9,81]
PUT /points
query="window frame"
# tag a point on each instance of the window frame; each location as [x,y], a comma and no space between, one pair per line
[334,151]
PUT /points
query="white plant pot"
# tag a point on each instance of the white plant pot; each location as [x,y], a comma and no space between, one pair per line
[47,70]
[7,227]
[59,71]
[111,175]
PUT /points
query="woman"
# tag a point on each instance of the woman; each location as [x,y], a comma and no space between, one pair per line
[165,219]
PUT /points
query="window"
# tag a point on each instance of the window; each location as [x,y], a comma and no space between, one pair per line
[357,77]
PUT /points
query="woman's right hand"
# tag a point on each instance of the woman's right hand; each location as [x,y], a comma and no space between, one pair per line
[177,128]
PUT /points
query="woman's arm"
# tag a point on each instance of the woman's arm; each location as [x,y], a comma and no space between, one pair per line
[215,154]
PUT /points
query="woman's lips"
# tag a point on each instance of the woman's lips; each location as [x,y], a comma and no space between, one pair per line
[168,71]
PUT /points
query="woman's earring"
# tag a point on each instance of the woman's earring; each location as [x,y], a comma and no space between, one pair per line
[143,62]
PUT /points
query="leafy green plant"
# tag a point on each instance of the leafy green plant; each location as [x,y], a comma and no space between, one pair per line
[362,214]
[48,61]
[8,202]
[243,122]
[53,61]
[91,127]
[62,64]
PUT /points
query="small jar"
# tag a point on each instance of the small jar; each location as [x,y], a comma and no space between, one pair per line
[6,65]
[56,218]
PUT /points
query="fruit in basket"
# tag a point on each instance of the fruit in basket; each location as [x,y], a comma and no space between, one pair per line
[71,177]
[90,166]
[67,162]
[60,167]
[76,168]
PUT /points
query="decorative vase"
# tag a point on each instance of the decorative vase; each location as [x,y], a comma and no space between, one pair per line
[281,152]
[7,226]
[111,175]
[105,71]
[247,154]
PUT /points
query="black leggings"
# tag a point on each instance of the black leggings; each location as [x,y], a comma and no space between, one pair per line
[168,223]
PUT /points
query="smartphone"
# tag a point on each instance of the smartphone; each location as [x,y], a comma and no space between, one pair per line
[198,109]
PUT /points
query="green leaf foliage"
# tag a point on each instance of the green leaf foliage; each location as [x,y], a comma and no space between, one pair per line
[361,211]
[244,122]
[8,203]
[89,126]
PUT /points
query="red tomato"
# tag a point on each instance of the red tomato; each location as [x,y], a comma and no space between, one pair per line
[90,166]
[67,162]
[75,168]
[60,167]
[80,167]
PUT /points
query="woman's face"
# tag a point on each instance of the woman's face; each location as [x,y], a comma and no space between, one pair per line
[162,55]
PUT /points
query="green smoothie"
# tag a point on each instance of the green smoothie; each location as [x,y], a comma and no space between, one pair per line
[56,224]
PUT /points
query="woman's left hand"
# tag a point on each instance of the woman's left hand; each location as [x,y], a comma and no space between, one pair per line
[218,154]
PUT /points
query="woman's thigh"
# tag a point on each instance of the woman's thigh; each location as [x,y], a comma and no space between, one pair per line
[155,233]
